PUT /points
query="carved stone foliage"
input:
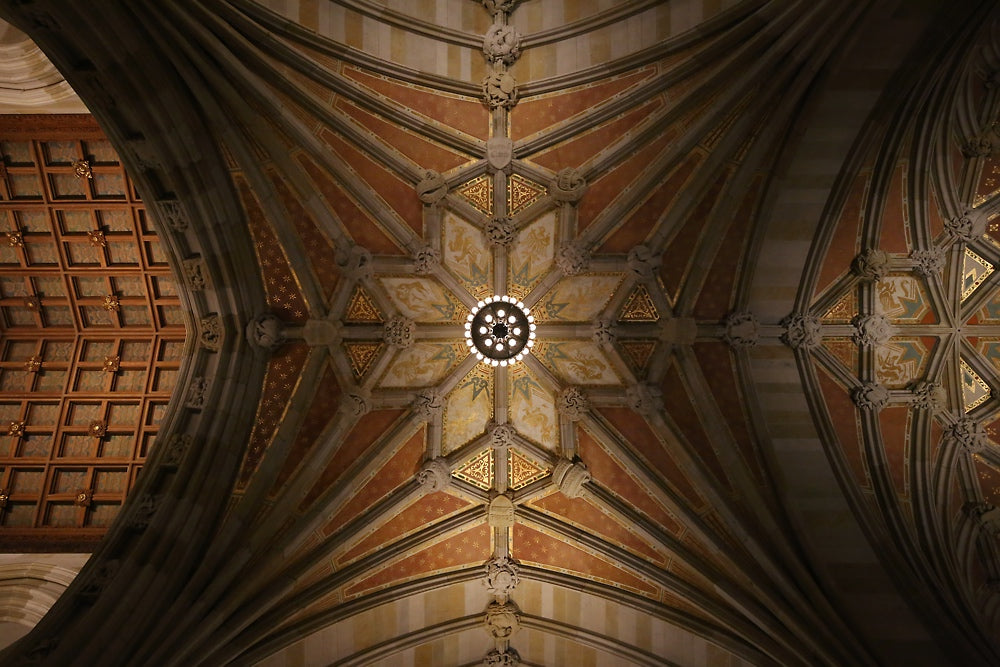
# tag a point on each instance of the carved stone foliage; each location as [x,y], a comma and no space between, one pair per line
[398,332]
[502,620]
[645,399]
[870,396]
[496,6]
[568,185]
[742,330]
[928,263]
[642,262]
[435,475]
[871,265]
[176,447]
[871,330]
[604,332]
[432,187]
[500,231]
[144,512]
[928,396]
[572,403]
[500,513]
[508,658]
[359,403]
[977,146]
[428,404]
[173,214]
[966,227]
[570,477]
[197,393]
[970,435]
[99,580]
[502,44]
[210,332]
[502,576]
[502,436]
[802,331]
[426,260]
[355,263]
[500,90]
[266,332]
[572,258]
[985,515]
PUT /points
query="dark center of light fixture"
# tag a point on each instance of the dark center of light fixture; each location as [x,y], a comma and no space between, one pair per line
[500,330]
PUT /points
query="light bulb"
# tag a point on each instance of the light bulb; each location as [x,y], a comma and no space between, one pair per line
[468,341]
[499,345]
[480,304]
[501,313]
[483,330]
[516,331]
[503,362]
[531,343]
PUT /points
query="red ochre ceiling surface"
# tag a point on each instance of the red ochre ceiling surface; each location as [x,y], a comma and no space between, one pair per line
[371,412]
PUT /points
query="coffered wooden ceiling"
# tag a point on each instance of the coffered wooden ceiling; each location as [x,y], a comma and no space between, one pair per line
[756,427]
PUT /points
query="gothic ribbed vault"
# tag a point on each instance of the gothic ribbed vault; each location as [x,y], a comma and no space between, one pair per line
[757,240]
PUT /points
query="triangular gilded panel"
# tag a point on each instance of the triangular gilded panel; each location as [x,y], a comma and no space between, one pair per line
[638,353]
[478,471]
[522,193]
[479,193]
[362,356]
[522,470]
[362,308]
[844,310]
[975,391]
[639,307]
[843,350]
[975,270]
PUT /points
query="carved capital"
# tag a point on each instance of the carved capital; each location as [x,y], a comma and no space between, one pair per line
[977,146]
[173,214]
[802,331]
[355,263]
[568,186]
[502,620]
[500,231]
[572,258]
[502,576]
[144,512]
[500,90]
[502,437]
[928,396]
[871,265]
[210,332]
[398,332]
[572,403]
[497,658]
[642,262]
[435,475]
[176,447]
[570,477]
[645,399]
[197,393]
[967,227]
[870,396]
[266,332]
[742,330]
[970,435]
[428,405]
[99,580]
[502,43]
[426,260]
[871,330]
[494,7]
[928,263]
[358,403]
[432,187]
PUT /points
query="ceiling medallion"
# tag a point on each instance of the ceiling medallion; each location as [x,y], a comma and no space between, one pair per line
[500,330]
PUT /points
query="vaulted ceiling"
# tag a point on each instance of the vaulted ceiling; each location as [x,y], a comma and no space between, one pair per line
[757,240]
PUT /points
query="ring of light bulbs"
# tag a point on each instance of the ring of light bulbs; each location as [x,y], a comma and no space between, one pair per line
[500,330]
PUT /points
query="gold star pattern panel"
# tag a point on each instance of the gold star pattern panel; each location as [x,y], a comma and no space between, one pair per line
[522,470]
[362,356]
[361,309]
[522,192]
[284,296]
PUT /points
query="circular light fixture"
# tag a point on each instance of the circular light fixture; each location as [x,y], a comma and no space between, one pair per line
[500,330]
